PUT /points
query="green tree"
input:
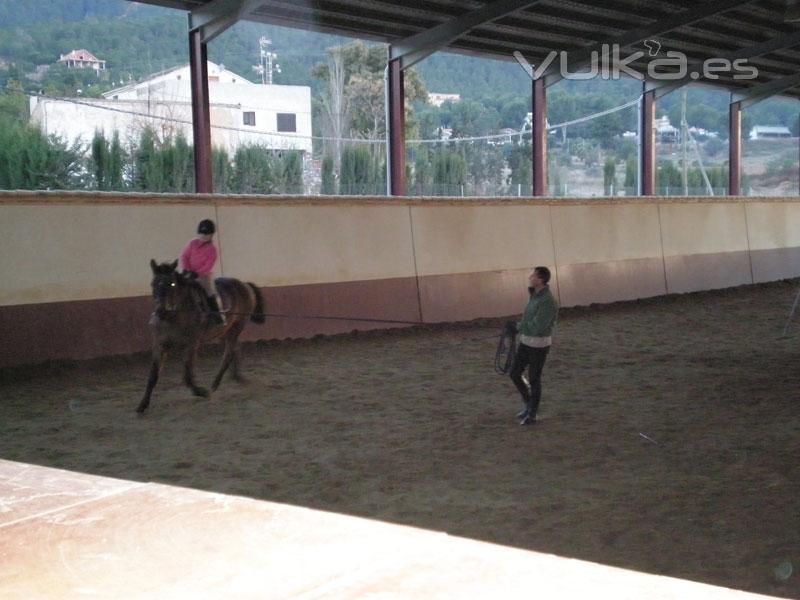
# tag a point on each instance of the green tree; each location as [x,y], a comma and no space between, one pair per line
[521,165]
[359,172]
[609,177]
[29,160]
[669,179]
[293,173]
[255,171]
[558,186]
[328,178]
[423,171]
[221,171]
[14,102]
[148,167]
[352,103]
[630,175]
[100,159]
[484,167]
[449,172]
[116,164]
[107,162]
[177,159]
[363,70]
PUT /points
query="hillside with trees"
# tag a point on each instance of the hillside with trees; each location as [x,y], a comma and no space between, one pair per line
[139,40]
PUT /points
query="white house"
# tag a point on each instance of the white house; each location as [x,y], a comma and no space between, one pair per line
[242,112]
[666,133]
[82,59]
[766,132]
[437,99]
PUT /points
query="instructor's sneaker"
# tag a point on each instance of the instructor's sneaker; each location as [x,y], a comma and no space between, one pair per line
[522,414]
[528,420]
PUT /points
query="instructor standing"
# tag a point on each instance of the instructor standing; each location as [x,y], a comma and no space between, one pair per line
[535,337]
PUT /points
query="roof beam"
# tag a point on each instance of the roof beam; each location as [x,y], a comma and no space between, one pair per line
[766,90]
[414,48]
[177,4]
[662,88]
[582,57]
[218,15]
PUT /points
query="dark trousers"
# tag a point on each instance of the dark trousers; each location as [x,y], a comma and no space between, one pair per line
[533,358]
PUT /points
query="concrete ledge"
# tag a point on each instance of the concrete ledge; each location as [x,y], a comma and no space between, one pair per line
[68,534]
[135,198]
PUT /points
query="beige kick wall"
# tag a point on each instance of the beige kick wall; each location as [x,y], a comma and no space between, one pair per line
[295,245]
[705,246]
[774,230]
[85,247]
[61,252]
[608,252]
[473,260]
[773,225]
[470,239]
[703,228]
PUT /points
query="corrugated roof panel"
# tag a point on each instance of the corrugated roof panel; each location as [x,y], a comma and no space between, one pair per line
[546,25]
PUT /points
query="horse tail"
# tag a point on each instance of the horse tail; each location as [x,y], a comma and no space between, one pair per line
[257,316]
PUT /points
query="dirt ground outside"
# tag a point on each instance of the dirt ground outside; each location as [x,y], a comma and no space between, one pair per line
[668,442]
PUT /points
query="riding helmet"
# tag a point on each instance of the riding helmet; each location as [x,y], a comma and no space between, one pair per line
[206,227]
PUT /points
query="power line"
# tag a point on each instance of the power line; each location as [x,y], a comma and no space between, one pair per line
[381,140]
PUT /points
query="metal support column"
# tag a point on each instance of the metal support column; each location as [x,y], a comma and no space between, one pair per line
[539,135]
[396,124]
[201,116]
[647,162]
[735,149]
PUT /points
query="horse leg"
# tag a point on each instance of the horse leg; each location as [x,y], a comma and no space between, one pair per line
[228,357]
[188,373]
[237,358]
[155,369]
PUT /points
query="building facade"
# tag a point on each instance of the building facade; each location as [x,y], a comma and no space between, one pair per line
[277,117]
[770,132]
[82,59]
[437,99]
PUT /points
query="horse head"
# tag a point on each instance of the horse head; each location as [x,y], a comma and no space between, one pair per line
[167,286]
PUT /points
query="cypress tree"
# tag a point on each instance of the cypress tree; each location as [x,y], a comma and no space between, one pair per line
[100,161]
[328,178]
[293,173]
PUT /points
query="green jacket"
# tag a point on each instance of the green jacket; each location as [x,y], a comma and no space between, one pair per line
[540,314]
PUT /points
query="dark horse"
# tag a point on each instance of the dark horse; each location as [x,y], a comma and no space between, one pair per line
[181,323]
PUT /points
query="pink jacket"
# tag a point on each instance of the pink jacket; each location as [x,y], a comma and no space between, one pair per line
[199,257]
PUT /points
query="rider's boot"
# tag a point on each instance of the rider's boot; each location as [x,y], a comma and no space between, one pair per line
[215,317]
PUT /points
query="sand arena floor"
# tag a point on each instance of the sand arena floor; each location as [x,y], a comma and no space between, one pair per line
[668,443]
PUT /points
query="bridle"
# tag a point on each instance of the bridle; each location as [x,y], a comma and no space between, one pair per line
[165,287]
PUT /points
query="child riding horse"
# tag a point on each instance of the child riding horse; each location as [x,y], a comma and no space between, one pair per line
[180,323]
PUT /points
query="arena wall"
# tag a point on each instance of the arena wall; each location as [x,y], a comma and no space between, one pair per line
[75,266]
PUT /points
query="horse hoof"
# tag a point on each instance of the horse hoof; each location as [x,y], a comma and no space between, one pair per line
[202,392]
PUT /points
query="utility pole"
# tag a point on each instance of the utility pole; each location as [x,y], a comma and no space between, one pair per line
[684,139]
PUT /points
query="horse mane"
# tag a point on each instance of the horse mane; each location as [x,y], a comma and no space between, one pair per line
[185,278]
[163,269]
